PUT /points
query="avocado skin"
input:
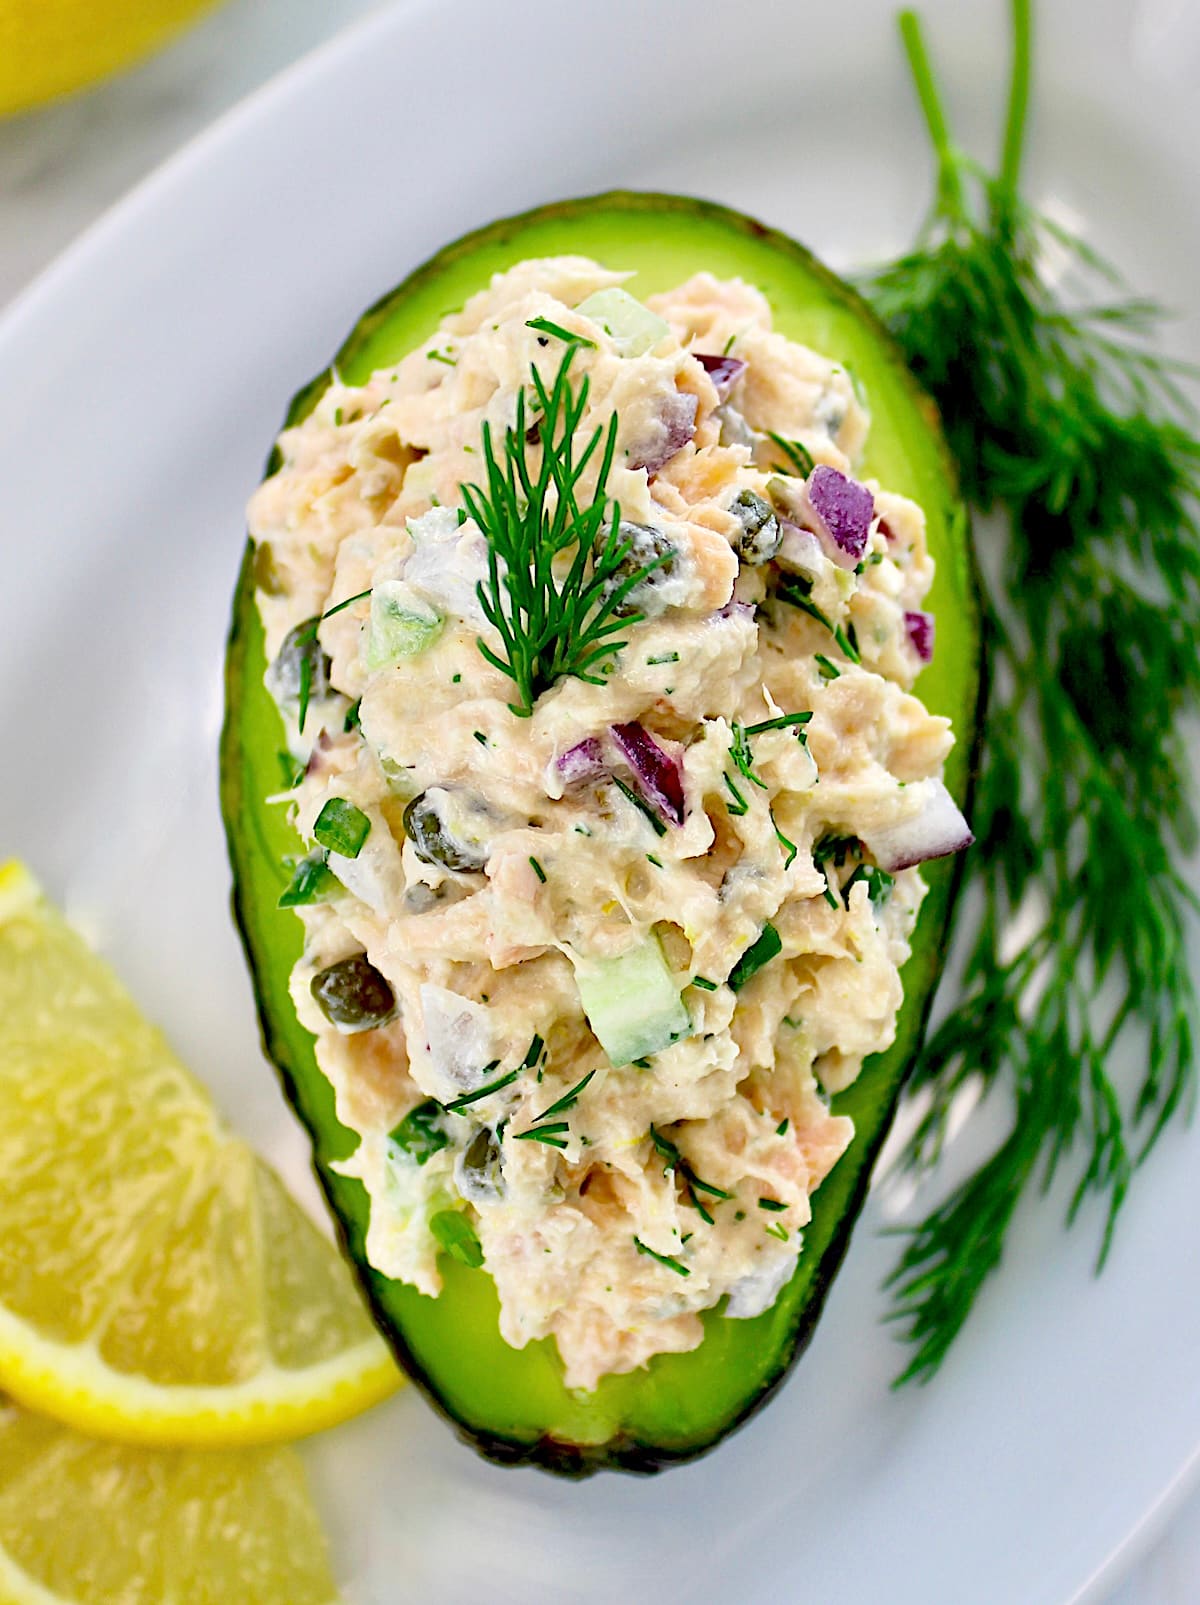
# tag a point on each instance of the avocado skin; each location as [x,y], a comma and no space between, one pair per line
[510,1407]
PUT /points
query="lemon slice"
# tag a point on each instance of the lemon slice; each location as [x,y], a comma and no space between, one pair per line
[86,1523]
[157,1283]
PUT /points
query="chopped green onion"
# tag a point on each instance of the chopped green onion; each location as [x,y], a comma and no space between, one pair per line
[342,827]
[704,983]
[772,1204]
[457,1236]
[533,1053]
[665,657]
[781,1128]
[537,869]
[312,882]
[828,670]
[766,945]
[421,1133]
[777,1229]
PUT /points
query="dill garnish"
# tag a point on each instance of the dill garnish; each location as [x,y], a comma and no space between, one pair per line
[663,1259]
[799,458]
[568,1099]
[498,1085]
[693,1184]
[1068,422]
[551,624]
[551,1135]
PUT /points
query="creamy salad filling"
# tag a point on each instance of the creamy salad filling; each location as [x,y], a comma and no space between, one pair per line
[585,957]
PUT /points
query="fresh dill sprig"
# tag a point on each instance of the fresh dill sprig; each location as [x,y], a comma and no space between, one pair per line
[554,591]
[1066,421]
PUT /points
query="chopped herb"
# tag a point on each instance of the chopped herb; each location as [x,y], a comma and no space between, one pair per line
[739,751]
[789,847]
[582,830]
[765,947]
[663,1259]
[777,1230]
[772,1204]
[796,1025]
[480,737]
[827,670]
[729,345]
[533,1053]
[641,805]
[799,459]
[567,1101]
[879,884]
[342,827]
[498,1085]
[312,882]
[665,657]
[553,619]
[739,805]
[834,849]
[351,721]
[440,356]
[421,1133]
[656,861]
[642,1064]
[781,723]
[457,1236]
[693,1185]
[551,1136]
[703,982]
[337,417]
[537,869]
[781,1128]
[292,772]
[544,326]
[455,679]
[796,595]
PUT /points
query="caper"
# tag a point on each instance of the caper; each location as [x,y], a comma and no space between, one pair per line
[426,827]
[479,1169]
[352,994]
[652,557]
[760,536]
[287,673]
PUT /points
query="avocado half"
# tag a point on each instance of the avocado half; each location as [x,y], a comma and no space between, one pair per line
[512,1404]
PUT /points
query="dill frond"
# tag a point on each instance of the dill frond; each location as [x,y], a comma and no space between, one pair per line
[1067,421]
[554,588]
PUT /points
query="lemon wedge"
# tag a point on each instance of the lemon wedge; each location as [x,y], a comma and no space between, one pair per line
[50,47]
[158,1285]
[87,1523]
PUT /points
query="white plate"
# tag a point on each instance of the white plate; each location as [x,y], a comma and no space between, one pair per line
[141,381]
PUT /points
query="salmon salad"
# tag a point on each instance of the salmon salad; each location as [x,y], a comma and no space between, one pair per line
[596,656]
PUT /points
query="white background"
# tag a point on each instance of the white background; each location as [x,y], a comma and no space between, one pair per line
[60,168]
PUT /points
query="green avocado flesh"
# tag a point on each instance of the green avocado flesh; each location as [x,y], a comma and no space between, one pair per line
[512,1404]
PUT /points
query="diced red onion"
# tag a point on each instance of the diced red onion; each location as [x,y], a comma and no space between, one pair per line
[659,776]
[723,371]
[676,426]
[843,510]
[935,830]
[582,762]
[920,632]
